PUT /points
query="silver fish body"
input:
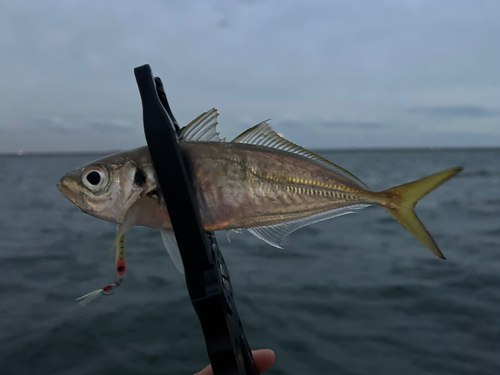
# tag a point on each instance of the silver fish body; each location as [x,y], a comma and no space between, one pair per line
[259,181]
[237,186]
[245,186]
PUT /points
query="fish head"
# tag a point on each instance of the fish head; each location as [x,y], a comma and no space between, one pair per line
[107,187]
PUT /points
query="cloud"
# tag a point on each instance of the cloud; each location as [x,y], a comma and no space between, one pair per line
[106,127]
[352,67]
[223,23]
[333,125]
[459,111]
[73,126]
[355,125]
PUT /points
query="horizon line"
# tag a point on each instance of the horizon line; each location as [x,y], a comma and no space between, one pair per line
[351,149]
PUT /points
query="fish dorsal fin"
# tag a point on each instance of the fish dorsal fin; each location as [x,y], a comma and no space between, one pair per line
[274,234]
[170,243]
[262,135]
[202,128]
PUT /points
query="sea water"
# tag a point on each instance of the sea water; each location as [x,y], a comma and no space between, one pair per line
[353,295]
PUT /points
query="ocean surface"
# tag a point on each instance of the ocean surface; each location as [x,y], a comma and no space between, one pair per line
[353,295]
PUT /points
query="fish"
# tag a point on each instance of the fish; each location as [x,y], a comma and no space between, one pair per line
[259,181]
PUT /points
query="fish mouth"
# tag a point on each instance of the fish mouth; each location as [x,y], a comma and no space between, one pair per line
[65,190]
[64,186]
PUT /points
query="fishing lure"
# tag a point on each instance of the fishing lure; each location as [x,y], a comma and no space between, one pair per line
[120,268]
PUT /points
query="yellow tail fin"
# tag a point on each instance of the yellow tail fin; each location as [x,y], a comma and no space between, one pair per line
[406,196]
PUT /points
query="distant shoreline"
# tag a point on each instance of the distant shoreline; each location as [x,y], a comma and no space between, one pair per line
[398,149]
[318,150]
[59,153]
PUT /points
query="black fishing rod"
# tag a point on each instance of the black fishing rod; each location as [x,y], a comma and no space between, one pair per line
[207,277]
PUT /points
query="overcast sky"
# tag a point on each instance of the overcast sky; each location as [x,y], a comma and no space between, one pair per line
[331,74]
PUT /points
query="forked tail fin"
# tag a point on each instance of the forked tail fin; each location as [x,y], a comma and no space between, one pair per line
[406,196]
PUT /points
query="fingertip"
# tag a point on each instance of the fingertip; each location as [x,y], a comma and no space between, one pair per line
[263,359]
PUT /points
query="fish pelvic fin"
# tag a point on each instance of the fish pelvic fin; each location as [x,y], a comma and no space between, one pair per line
[405,197]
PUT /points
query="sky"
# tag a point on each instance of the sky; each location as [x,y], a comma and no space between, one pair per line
[330,74]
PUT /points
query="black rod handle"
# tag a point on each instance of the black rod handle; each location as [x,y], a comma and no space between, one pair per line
[206,273]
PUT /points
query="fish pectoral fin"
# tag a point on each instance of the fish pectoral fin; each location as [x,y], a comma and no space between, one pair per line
[170,243]
[202,128]
[274,234]
[129,220]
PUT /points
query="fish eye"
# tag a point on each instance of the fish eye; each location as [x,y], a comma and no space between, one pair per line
[95,177]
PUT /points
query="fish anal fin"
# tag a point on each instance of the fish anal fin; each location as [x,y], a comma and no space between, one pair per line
[274,234]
